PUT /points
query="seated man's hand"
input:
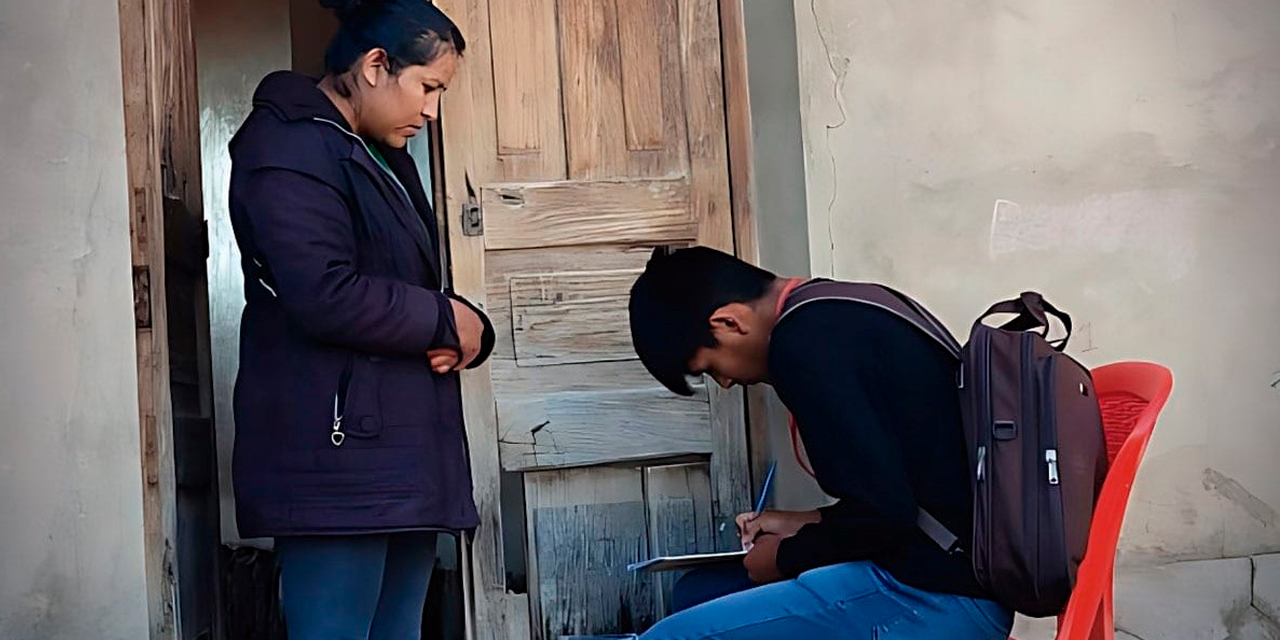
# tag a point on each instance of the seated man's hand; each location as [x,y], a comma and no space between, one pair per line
[779,523]
[762,561]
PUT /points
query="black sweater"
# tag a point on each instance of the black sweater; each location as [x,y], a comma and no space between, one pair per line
[878,411]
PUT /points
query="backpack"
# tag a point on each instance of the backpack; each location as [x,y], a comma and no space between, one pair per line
[1033,430]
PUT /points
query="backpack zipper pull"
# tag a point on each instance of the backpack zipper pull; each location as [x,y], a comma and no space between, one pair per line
[982,463]
[1051,457]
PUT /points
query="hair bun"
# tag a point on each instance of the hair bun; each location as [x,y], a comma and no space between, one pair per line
[350,8]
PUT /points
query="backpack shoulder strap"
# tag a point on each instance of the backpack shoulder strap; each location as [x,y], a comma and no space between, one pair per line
[904,307]
[876,295]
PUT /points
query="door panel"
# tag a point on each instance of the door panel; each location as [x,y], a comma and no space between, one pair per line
[587,132]
[526,86]
[583,213]
[583,525]
[678,505]
[570,318]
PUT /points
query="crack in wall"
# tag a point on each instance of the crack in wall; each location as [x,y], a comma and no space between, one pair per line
[1266,618]
[1129,633]
[838,77]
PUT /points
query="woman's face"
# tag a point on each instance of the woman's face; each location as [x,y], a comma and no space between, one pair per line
[394,107]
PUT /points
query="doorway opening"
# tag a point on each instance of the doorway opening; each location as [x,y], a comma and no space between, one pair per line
[675,148]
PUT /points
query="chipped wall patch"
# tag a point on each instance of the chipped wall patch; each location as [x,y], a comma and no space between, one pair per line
[1153,226]
[1228,488]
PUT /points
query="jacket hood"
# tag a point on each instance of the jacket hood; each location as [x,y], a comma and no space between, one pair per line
[293,96]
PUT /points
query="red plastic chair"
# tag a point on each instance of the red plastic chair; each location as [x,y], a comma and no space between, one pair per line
[1131,395]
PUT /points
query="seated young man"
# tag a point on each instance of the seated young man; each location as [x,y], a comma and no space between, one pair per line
[878,412]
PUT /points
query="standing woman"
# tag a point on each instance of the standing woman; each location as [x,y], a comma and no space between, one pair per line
[350,448]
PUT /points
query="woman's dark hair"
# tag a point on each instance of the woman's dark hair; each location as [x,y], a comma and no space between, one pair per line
[411,31]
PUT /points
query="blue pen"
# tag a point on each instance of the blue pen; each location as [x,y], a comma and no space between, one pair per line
[764,490]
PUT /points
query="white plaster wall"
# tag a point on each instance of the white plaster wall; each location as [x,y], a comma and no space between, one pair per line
[71,544]
[237,43]
[778,197]
[1120,156]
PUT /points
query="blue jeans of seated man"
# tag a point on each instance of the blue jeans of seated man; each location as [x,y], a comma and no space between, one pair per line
[355,587]
[707,583]
[851,601]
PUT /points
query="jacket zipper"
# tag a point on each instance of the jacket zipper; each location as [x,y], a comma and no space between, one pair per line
[338,436]
[365,145]
[395,180]
[339,398]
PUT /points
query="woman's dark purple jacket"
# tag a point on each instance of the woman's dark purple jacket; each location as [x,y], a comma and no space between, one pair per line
[341,426]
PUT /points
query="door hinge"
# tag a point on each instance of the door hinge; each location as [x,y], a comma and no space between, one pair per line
[141,297]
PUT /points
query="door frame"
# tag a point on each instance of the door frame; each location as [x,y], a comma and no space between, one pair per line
[491,612]
[742,189]
[157,53]
[162,150]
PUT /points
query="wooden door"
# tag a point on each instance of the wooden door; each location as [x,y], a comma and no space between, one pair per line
[579,135]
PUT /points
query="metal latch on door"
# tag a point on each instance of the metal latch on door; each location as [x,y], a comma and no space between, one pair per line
[472,214]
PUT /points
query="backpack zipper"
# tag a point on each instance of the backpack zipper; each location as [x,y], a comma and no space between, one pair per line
[1050,442]
[1051,459]
[986,418]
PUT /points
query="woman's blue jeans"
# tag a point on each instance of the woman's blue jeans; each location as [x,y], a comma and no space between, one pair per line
[359,587]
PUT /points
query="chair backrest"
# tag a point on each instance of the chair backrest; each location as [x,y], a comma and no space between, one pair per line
[1131,395]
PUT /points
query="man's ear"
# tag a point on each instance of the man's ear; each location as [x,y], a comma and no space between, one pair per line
[732,318]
